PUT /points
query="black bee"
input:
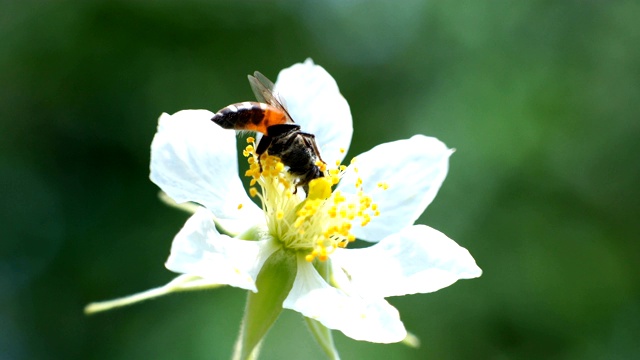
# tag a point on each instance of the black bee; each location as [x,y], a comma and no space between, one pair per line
[282,137]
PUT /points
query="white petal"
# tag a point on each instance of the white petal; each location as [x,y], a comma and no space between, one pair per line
[193,159]
[198,249]
[414,169]
[418,259]
[359,318]
[314,101]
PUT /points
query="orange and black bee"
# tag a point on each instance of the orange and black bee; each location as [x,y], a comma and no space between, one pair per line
[282,137]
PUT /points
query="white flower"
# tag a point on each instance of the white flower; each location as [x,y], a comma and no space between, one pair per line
[388,187]
[296,243]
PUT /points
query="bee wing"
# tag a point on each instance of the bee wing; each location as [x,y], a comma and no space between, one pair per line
[263,89]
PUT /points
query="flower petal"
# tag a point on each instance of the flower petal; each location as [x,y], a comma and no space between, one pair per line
[418,259]
[198,249]
[365,319]
[414,169]
[192,159]
[314,101]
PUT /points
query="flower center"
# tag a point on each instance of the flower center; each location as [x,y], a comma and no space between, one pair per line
[317,225]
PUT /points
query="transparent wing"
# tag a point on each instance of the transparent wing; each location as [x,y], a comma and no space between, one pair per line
[263,89]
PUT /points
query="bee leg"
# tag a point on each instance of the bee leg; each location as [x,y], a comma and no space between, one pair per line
[263,145]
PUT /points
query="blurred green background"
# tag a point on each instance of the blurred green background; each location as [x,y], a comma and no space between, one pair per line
[540,99]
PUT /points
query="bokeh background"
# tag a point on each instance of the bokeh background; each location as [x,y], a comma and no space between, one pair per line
[540,99]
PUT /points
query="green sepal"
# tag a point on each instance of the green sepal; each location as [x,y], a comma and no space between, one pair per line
[324,337]
[411,340]
[184,282]
[321,333]
[252,233]
[274,283]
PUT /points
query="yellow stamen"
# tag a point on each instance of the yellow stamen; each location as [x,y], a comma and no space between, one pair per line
[318,224]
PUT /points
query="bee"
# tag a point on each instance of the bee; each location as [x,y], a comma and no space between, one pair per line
[281,136]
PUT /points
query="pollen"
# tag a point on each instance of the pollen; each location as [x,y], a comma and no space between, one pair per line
[239,206]
[321,165]
[383,185]
[320,188]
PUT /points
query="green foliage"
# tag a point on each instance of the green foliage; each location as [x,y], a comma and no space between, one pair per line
[540,99]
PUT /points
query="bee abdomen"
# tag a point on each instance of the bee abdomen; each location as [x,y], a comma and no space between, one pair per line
[241,115]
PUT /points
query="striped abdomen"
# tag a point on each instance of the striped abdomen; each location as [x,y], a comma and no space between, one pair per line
[250,116]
